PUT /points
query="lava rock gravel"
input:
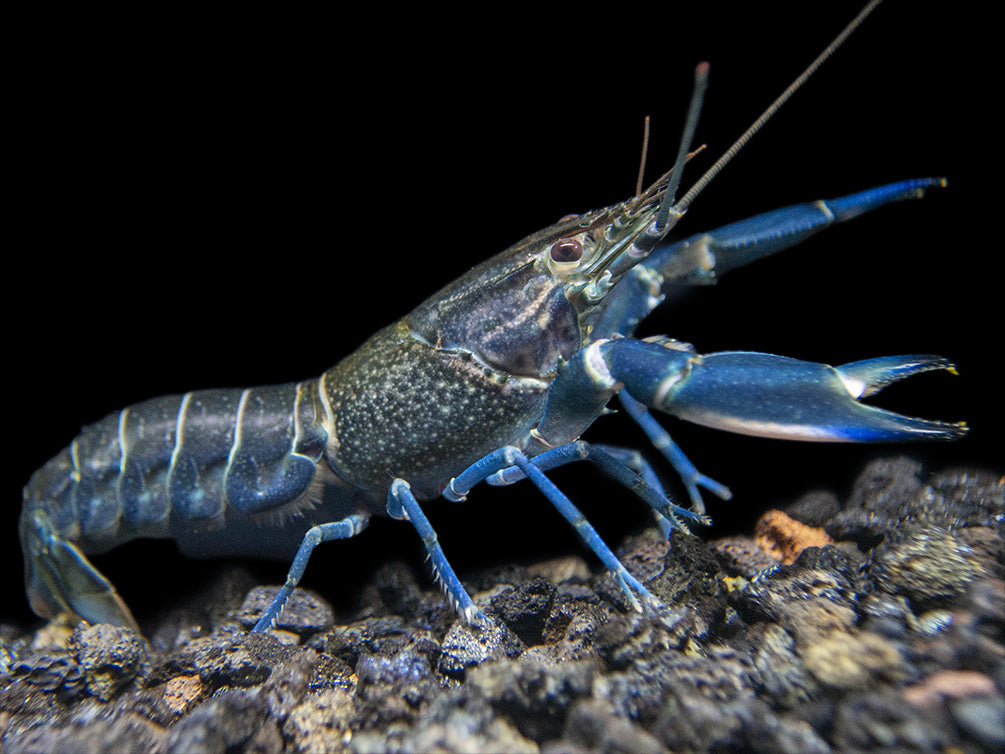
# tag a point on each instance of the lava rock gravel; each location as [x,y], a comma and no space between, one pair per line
[874,622]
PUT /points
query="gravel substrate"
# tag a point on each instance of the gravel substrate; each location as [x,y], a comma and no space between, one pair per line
[871,623]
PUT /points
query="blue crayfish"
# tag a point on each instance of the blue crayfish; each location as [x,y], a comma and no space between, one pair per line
[495,377]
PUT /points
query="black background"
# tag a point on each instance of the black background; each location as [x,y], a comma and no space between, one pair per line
[229,202]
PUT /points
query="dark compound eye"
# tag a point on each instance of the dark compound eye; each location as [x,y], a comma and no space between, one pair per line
[567,250]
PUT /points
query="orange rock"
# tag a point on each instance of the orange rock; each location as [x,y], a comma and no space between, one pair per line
[782,537]
[180,692]
[949,684]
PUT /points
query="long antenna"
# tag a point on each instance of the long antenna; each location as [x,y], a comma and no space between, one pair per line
[669,210]
[681,206]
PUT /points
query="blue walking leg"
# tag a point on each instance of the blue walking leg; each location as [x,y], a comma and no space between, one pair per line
[692,478]
[505,457]
[349,526]
[401,504]
[631,459]
[624,466]
[634,460]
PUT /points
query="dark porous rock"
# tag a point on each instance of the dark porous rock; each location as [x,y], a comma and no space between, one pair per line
[741,556]
[229,658]
[841,558]
[721,673]
[404,680]
[883,721]
[781,674]
[111,657]
[847,660]
[640,692]
[886,615]
[535,696]
[807,602]
[986,603]
[397,587]
[579,622]
[367,636]
[525,609]
[331,673]
[457,722]
[893,491]
[690,722]
[964,498]
[982,718]
[878,501]
[680,571]
[929,566]
[637,695]
[97,735]
[230,721]
[470,644]
[291,679]
[322,723]
[626,638]
[815,508]
[304,613]
[701,724]
[43,679]
[593,725]
[771,734]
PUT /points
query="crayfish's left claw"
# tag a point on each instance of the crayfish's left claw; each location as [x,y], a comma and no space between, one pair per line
[775,396]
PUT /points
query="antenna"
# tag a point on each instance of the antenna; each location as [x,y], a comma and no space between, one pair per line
[681,206]
[670,210]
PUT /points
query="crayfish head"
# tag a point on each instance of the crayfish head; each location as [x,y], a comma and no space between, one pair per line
[530,308]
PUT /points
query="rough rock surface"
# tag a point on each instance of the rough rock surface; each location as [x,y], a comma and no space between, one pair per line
[891,638]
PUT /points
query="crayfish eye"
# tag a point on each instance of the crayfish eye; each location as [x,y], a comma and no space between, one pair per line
[567,250]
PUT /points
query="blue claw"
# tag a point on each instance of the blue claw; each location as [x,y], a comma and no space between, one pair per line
[774,396]
[745,392]
[703,258]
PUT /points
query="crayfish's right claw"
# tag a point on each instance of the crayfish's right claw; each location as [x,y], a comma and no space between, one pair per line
[60,579]
[774,396]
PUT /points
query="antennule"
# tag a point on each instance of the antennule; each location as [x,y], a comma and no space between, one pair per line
[693,111]
[645,153]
